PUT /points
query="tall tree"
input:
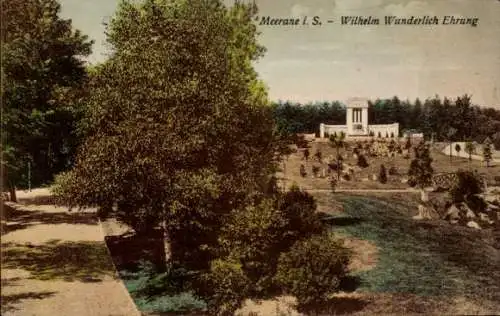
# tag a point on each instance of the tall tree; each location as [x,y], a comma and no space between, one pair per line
[338,142]
[180,126]
[42,79]
[487,155]
[421,171]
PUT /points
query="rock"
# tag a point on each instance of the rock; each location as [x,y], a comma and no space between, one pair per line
[453,213]
[404,180]
[374,177]
[355,157]
[426,212]
[485,218]
[473,224]
[468,212]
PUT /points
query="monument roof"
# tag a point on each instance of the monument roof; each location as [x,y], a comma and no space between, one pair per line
[357,102]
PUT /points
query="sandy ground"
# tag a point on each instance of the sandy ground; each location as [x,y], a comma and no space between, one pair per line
[56,263]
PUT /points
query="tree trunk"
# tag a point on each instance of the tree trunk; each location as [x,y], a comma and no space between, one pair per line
[12,191]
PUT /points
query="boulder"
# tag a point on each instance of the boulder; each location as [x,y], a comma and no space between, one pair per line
[473,224]
[485,218]
[374,177]
[426,212]
[404,180]
[452,214]
[467,211]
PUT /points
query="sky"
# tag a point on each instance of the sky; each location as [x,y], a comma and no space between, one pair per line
[336,62]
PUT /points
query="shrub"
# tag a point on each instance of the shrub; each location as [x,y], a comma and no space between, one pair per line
[225,287]
[182,303]
[372,133]
[303,171]
[306,154]
[315,170]
[318,155]
[382,176]
[313,269]
[497,180]
[386,135]
[392,135]
[257,235]
[379,135]
[468,185]
[362,161]
[393,171]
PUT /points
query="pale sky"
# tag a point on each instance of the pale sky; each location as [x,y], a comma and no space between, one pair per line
[336,62]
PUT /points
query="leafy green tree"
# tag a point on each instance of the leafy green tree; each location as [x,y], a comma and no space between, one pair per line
[451,133]
[43,79]
[487,155]
[338,142]
[180,129]
[469,149]
[458,148]
[421,171]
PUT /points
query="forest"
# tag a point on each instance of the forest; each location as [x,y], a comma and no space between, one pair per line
[445,119]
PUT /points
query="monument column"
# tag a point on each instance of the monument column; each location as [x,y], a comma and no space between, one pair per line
[364,119]
[321,130]
[349,120]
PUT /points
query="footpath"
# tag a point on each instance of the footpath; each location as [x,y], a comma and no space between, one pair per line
[55,262]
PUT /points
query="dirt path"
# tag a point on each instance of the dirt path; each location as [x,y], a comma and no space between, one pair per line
[56,263]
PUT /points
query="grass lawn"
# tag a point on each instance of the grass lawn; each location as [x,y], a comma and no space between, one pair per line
[420,257]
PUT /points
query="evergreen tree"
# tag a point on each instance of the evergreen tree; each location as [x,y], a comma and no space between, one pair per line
[487,155]
[382,174]
[421,171]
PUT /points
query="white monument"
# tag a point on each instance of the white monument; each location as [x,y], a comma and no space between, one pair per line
[357,123]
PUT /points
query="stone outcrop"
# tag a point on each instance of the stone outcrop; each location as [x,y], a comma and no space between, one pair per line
[463,214]
[426,211]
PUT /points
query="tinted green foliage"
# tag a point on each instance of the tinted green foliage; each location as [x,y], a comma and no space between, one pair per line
[434,115]
[421,171]
[313,269]
[43,81]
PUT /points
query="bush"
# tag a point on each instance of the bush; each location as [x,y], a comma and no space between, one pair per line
[362,161]
[225,287]
[313,269]
[392,135]
[346,177]
[393,171]
[379,135]
[497,180]
[303,171]
[258,234]
[382,176]
[315,170]
[183,303]
[468,185]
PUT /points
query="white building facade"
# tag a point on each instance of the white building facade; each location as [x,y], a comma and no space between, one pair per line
[357,123]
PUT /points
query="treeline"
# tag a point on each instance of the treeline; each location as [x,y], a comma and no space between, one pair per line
[442,118]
